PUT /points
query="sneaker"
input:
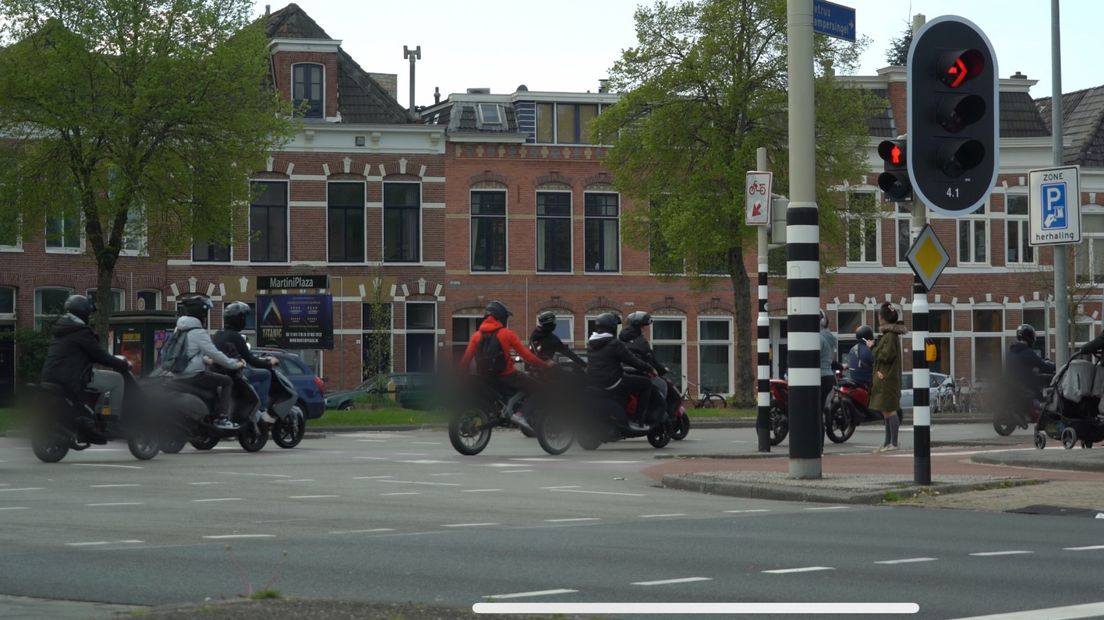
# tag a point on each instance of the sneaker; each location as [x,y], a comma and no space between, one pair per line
[880,449]
[520,420]
[224,424]
[267,417]
[889,448]
[639,428]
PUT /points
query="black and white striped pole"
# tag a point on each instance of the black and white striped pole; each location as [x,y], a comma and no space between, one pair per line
[921,382]
[762,420]
[803,251]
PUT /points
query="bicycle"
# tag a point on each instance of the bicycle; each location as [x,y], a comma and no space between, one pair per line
[706,399]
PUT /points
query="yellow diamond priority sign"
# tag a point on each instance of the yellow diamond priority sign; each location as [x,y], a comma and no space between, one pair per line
[928,257]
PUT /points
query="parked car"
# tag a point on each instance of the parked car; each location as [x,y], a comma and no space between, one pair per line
[411,390]
[939,382]
[310,386]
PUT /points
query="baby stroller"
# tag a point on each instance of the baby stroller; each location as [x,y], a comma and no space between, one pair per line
[1071,410]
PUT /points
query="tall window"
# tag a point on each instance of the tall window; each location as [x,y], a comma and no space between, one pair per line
[49,305]
[554,232]
[402,222]
[63,233]
[1016,230]
[669,344]
[306,85]
[134,233]
[421,336]
[1037,318]
[941,326]
[862,228]
[973,238]
[268,234]
[376,338]
[345,205]
[1089,254]
[488,230]
[203,252]
[565,123]
[463,326]
[901,220]
[9,233]
[603,250]
[118,297]
[7,301]
[715,353]
[148,300]
[847,323]
[988,336]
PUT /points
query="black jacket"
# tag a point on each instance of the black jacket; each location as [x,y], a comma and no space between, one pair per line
[605,354]
[72,352]
[232,343]
[1021,364]
[546,344]
[636,342]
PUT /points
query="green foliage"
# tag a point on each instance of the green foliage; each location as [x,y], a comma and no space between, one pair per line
[897,54]
[31,347]
[262,595]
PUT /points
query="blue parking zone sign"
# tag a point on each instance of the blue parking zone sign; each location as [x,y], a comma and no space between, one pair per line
[1055,210]
[1054,206]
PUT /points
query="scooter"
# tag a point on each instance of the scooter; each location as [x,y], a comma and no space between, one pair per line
[193,420]
[283,404]
[848,406]
[1016,406]
[65,422]
[779,411]
[608,416]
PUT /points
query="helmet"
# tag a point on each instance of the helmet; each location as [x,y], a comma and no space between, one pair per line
[546,319]
[638,319]
[196,306]
[606,323]
[235,315]
[80,307]
[498,310]
[1026,333]
[865,332]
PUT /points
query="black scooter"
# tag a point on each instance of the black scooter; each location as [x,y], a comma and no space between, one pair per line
[607,419]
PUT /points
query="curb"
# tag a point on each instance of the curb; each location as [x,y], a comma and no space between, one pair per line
[1020,459]
[704,484]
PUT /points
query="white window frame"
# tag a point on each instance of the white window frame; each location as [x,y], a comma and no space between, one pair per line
[569,320]
[874,219]
[471,238]
[408,331]
[1041,331]
[453,341]
[64,249]
[1086,321]
[950,336]
[499,112]
[970,222]
[364,224]
[975,334]
[901,215]
[38,315]
[1089,211]
[620,230]
[136,232]
[322,83]
[570,231]
[287,224]
[10,316]
[727,343]
[158,298]
[681,381]
[421,225]
[1024,231]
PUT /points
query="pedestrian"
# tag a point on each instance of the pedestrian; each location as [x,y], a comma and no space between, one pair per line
[828,349]
[885,395]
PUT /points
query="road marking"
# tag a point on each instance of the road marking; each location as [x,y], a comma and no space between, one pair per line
[575,486]
[1069,612]
[448,474]
[572,520]
[220,499]
[470,524]
[673,514]
[371,477]
[22,489]
[1089,548]
[423,462]
[528,594]
[803,569]
[736,512]
[411,454]
[371,531]
[236,473]
[906,561]
[312,496]
[15,508]
[687,609]
[480,490]
[426,443]
[436,484]
[112,486]
[298,480]
[105,465]
[372,440]
[404,493]
[104,542]
[116,504]
[596,492]
[537,459]
[516,471]
[499,465]
[663,582]
[232,536]
[827,508]
[204,483]
[993,553]
[370,458]
[611,462]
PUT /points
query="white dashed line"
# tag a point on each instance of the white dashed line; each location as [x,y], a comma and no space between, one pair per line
[537,459]
[994,553]
[426,443]
[2,508]
[470,524]
[220,499]
[21,489]
[372,477]
[906,561]
[435,484]
[100,543]
[564,487]
[499,465]
[673,514]
[374,530]
[423,462]
[106,465]
[112,486]
[596,492]
[235,473]
[663,582]
[528,594]
[827,508]
[116,504]
[516,471]
[572,520]
[312,496]
[411,454]
[803,569]
[370,458]
[448,474]
[403,493]
[286,481]
[480,490]
[1089,548]
[372,440]
[737,512]
[611,462]
[197,484]
[232,536]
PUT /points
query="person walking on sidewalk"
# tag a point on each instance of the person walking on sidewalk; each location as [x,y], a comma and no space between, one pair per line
[885,396]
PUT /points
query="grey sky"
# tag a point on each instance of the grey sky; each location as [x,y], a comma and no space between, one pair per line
[567,45]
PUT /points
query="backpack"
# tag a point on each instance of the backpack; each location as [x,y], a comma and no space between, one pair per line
[490,359]
[174,356]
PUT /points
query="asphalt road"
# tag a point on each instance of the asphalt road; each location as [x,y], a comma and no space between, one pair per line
[402,517]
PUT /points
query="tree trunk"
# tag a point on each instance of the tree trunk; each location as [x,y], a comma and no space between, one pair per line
[105,274]
[744,394]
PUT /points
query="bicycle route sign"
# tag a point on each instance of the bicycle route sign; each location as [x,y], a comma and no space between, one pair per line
[758,193]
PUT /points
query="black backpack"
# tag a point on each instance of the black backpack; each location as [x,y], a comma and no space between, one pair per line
[490,359]
[174,356]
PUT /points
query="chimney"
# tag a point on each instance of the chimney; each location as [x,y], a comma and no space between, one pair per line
[1019,76]
[268,10]
[603,85]
[436,95]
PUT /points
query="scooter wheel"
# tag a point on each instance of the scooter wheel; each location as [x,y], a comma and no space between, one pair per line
[659,438]
[1040,440]
[682,427]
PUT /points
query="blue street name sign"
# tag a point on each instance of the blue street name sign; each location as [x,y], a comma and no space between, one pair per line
[834,20]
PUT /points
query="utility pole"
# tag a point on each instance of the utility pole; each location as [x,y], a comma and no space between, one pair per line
[921,408]
[1061,295]
[803,251]
[413,55]
[762,420]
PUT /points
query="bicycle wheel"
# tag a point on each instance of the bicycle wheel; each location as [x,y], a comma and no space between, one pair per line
[712,401]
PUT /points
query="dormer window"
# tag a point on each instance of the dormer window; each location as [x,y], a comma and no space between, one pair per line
[306,89]
[490,114]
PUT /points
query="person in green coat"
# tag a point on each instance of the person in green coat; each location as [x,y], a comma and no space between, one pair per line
[885,395]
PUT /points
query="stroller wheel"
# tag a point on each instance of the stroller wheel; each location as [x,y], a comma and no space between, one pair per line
[1069,437]
[1040,440]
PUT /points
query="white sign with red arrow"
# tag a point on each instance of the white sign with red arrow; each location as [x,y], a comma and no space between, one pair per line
[758,196]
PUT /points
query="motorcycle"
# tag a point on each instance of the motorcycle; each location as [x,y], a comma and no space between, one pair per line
[1016,407]
[848,406]
[779,411]
[66,422]
[193,420]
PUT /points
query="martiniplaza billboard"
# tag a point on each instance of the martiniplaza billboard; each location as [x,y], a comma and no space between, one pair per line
[295,321]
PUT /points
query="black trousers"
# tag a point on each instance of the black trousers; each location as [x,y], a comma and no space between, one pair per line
[641,387]
[215,381]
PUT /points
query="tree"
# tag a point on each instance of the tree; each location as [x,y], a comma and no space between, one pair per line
[897,54]
[133,118]
[704,87]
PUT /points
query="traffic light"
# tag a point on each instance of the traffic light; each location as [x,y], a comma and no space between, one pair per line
[894,181]
[953,116]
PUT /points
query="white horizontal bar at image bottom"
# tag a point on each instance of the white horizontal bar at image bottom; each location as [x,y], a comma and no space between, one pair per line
[697,608]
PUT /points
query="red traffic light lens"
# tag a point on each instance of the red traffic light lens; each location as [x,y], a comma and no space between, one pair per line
[958,67]
[892,152]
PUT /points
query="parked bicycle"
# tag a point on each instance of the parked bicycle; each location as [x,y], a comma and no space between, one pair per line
[706,399]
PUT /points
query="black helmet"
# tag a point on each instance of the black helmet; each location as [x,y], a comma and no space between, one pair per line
[546,319]
[865,332]
[607,323]
[196,306]
[638,319]
[235,315]
[498,310]
[80,307]
[1026,333]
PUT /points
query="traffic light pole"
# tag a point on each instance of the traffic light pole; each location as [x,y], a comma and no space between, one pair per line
[1061,296]
[803,251]
[921,409]
[762,420]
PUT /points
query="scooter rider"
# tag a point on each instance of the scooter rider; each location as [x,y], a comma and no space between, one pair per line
[546,344]
[230,341]
[199,349]
[1023,361]
[633,337]
[860,361]
[605,355]
[72,352]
